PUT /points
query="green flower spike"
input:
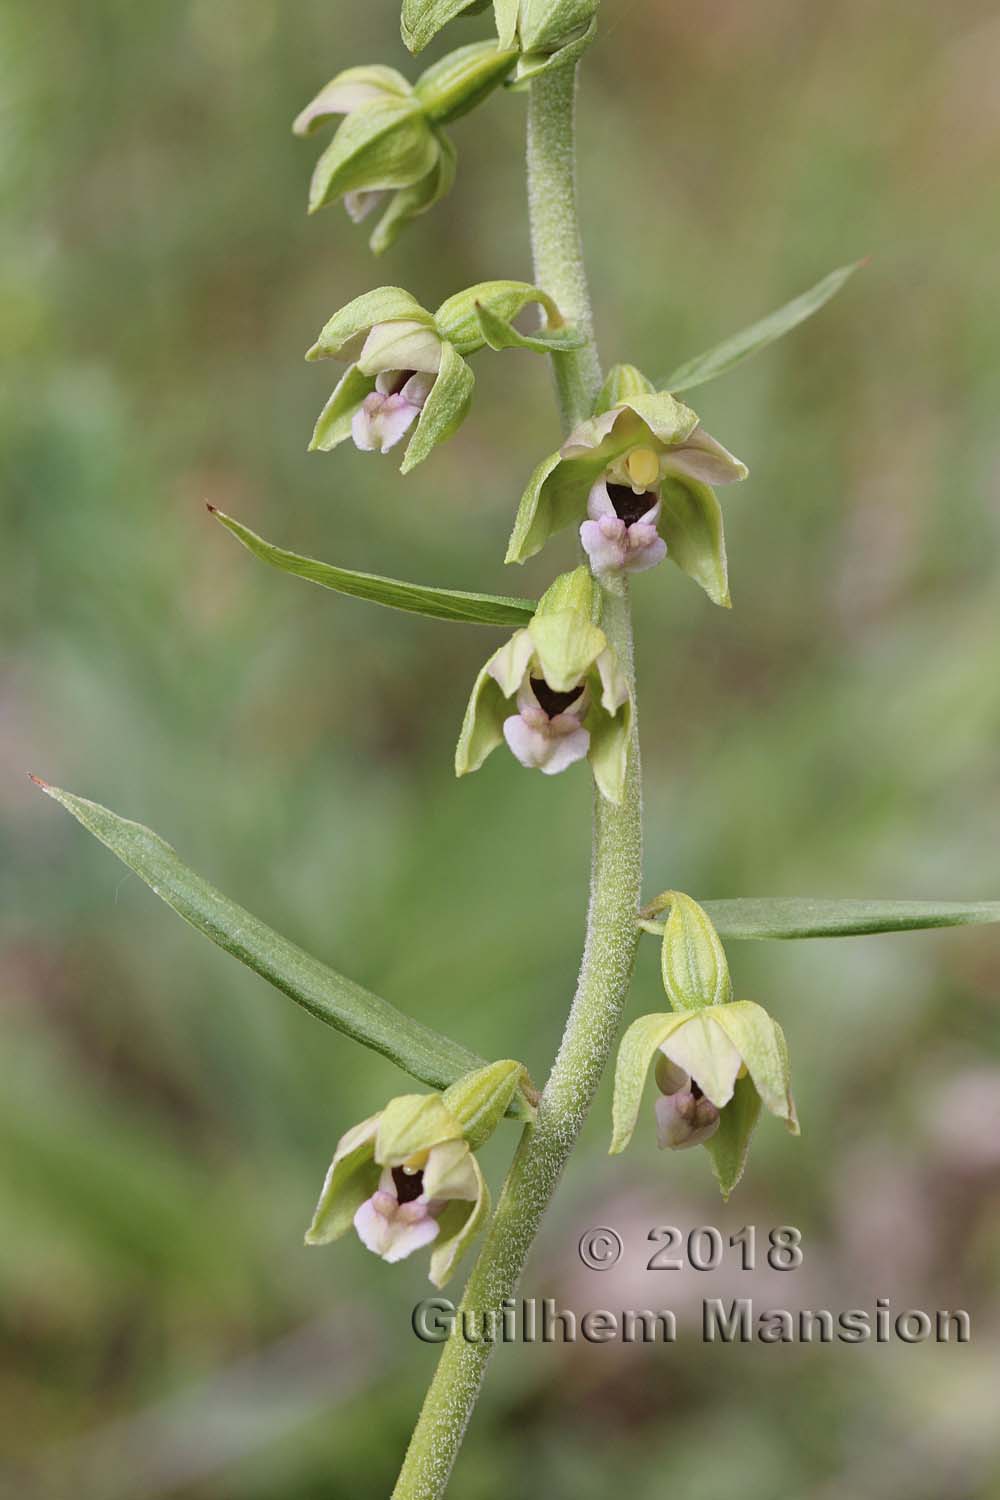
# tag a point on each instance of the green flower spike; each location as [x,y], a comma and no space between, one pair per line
[408,1176]
[548,33]
[555,693]
[643,458]
[408,366]
[389,148]
[717,1060]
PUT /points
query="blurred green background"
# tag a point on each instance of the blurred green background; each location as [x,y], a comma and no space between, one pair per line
[166,1119]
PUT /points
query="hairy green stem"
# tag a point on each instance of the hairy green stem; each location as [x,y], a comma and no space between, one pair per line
[612,933]
[556,245]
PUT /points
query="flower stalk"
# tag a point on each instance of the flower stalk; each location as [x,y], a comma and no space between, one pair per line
[612,932]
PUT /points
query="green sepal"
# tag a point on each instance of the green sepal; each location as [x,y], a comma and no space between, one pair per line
[556,496]
[413,598]
[610,740]
[352,1177]
[482,727]
[505,14]
[500,334]
[480,1100]
[385,144]
[333,425]
[693,961]
[624,384]
[444,410]
[635,1053]
[729,1146]
[549,25]
[344,335]
[458,319]
[460,1223]
[410,202]
[532,64]
[423,19]
[733,351]
[411,1124]
[348,91]
[691,525]
[460,81]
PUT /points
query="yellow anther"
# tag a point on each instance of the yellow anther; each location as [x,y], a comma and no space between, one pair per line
[743,1071]
[643,468]
[416,1163]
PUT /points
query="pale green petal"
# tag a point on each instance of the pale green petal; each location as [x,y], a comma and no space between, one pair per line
[508,665]
[450,1172]
[402,344]
[460,1223]
[705,1050]
[348,91]
[345,333]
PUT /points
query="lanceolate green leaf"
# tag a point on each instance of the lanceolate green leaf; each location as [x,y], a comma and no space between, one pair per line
[802,917]
[732,352]
[330,997]
[439,604]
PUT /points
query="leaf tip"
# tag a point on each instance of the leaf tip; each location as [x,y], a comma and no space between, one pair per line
[39,782]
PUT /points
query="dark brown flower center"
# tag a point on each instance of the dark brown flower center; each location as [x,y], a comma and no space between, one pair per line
[628,505]
[552,702]
[409,1185]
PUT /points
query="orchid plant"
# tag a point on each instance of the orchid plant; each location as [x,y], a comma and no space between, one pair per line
[635,475]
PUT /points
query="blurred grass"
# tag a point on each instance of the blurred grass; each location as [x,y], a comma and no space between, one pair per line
[166,1119]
